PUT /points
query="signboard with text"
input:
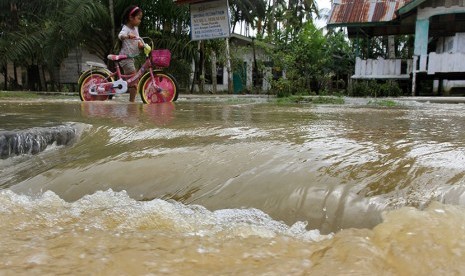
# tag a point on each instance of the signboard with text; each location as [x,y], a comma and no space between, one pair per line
[210,20]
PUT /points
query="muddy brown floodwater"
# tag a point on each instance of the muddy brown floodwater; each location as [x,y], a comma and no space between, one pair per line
[234,187]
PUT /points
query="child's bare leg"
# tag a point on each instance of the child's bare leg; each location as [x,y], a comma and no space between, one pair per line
[132,94]
[129,69]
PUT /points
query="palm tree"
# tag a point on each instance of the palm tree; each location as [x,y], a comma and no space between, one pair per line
[20,22]
[272,16]
[250,12]
[287,16]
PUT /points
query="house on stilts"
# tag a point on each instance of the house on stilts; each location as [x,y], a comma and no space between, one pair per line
[432,30]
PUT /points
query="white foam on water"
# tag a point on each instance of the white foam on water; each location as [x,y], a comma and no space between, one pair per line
[439,155]
[108,232]
[128,135]
[116,211]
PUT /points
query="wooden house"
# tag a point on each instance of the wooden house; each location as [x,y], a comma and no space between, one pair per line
[437,28]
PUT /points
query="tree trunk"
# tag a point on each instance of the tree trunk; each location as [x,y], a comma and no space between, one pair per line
[228,68]
[112,18]
[15,72]
[5,77]
[202,67]
[265,23]
[194,77]
[33,77]
[256,79]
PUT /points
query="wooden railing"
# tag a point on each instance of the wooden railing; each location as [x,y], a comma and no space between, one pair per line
[382,68]
[446,63]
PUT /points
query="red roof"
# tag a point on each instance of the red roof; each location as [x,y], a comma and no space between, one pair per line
[346,12]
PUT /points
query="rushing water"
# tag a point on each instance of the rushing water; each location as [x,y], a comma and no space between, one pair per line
[235,187]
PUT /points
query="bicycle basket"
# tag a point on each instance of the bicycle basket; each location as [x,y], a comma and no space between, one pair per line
[161,58]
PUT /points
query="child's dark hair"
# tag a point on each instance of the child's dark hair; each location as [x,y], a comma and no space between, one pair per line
[130,11]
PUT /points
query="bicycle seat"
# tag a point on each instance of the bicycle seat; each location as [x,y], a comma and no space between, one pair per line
[117,57]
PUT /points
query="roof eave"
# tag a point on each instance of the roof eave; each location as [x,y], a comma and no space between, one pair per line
[358,24]
[410,6]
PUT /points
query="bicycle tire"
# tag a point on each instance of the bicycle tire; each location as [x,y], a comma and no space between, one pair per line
[88,79]
[165,81]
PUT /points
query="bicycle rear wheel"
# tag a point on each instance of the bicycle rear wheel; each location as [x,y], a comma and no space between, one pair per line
[164,90]
[89,80]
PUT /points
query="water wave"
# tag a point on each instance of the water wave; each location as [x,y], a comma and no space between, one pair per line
[110,233]
[116,211]
[35,140]
[127,135]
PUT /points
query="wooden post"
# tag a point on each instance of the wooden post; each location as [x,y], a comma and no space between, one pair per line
[214,75]
[414,75]
[202,67]
[228,68]
[391,47]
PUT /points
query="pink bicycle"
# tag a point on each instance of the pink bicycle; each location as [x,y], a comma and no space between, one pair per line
[154,86]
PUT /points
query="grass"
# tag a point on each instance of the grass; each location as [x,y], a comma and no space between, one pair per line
[238,101]
[311,99]
[17,94]
[386,103]
[33,95]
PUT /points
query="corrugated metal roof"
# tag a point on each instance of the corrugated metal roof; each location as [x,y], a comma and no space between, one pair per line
[349,12]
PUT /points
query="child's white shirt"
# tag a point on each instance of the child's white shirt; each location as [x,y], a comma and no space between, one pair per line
[129,47]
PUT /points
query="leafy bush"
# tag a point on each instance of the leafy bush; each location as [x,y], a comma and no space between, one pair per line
[282,87]
[375,89]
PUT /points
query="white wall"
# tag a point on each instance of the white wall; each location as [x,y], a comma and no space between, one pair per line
[246,54]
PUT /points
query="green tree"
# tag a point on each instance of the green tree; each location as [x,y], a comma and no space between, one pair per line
[303,59]
[313,61]
[299,12]
[249,12]
[341,58]
[21,21]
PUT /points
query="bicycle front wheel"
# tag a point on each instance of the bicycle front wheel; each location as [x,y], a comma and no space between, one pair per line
[161,89]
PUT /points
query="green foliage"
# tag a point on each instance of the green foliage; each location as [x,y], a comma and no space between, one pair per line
[375,89]
[181,69]
[310,99]
[374,47]
[282,87]
[165,16]
[43,32]
[302,59]
[328,100]
[284,20]
[313,62]
[339,64]
[385,103]
[247,11]
[17,94]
